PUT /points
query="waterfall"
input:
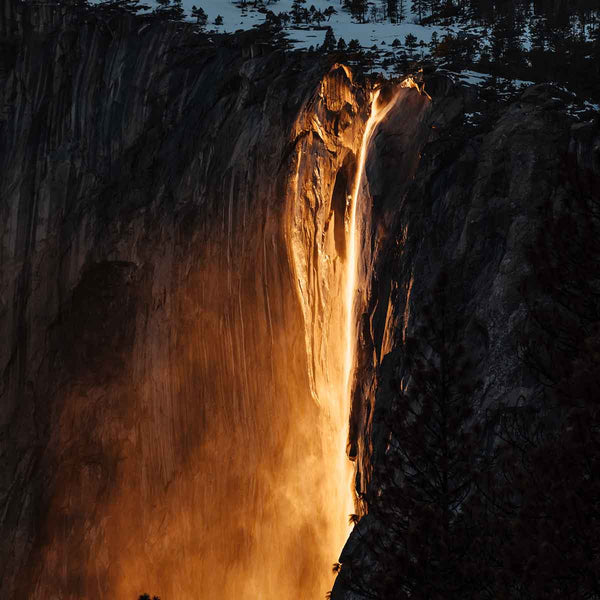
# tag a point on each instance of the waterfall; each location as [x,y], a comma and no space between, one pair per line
[331,341]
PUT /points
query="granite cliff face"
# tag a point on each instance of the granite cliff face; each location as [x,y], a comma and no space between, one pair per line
[173,238]
[470,203]
[159,424]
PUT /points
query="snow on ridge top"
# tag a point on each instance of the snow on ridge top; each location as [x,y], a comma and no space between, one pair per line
[303,36]
[392,54]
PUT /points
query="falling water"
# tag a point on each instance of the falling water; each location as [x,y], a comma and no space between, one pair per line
[228,445]
[379,111]
[332,360]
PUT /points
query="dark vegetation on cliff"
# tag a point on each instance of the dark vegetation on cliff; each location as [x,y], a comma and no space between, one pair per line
[501,503]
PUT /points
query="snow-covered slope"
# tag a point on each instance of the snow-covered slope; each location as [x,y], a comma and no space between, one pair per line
[303,36]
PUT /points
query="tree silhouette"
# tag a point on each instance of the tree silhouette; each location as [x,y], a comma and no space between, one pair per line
[329,42]
[169,9]
[329,11]
[120,6]
[358,8]
[410,41]
[200,16]
[298,11]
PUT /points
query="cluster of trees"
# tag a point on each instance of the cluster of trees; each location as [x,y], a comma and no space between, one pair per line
[541,41]
[300,14]
[480,502]
[544,40]
[171,10]
[561,13]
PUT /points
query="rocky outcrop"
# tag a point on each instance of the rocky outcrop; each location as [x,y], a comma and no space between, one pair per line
[471,208]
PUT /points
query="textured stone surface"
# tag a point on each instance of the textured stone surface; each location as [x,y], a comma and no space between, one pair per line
[158,429]
[471,208]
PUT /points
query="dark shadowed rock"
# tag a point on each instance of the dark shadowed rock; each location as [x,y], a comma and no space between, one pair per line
[472,208]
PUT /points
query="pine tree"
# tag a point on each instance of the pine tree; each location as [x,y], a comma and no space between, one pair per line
[373,13]
[480,11]
[392,10]
[401,8]
[419,7]
[329,11]
[434,41]
[358,8]
[318,17]
[298,11]
[174,10]
[200,16]
[411,42]
[596,50]
[169,9]
[541,59]
[329,42]
[513,53]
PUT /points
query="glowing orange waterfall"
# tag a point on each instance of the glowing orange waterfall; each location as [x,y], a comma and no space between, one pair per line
[251,501]
[378,113]
[198,349]
[327,286]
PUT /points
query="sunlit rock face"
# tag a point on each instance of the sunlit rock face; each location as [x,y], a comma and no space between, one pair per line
[173,235]
[174,222]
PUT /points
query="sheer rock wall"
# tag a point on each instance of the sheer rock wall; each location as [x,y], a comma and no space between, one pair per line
[158,430]
[172,239]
